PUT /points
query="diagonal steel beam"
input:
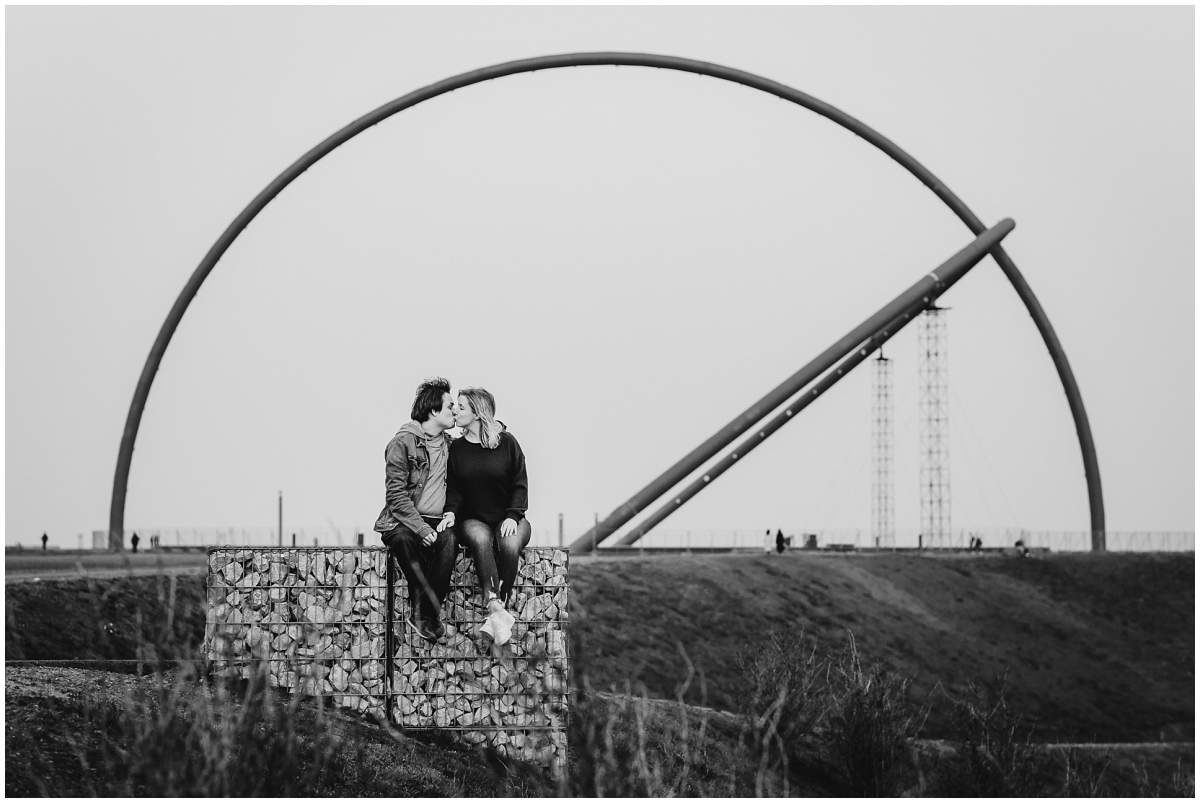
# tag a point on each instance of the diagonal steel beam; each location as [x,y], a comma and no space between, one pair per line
[921,291]
[775,424]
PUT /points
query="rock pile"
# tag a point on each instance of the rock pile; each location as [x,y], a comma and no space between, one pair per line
[317,616]
[318,619]
[512,697]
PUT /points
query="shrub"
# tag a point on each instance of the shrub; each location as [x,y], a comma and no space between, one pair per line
[870,726]
[994,757]
[784,704]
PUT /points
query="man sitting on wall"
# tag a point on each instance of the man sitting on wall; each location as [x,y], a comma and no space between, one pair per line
[411,524]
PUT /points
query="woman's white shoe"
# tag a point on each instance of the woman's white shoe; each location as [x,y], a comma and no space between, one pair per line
[499,622]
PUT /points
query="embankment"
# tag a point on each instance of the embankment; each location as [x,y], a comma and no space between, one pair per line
[1097,648]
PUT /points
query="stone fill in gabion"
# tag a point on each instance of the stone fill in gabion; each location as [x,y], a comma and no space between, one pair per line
[318,619]
[512,697]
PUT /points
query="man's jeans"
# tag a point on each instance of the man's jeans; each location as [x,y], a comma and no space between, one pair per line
[426,568]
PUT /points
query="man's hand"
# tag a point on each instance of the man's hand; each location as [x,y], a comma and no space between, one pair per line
[508,528]
[428,538]
[446,522]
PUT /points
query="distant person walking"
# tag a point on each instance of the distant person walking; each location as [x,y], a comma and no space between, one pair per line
[768,542]
[780,541]
[45,538]
[487,498]
[134,540]
[412,524]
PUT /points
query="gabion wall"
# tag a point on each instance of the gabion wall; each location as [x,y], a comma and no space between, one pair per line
[320,620]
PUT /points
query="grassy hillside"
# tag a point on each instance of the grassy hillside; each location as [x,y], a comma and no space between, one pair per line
[1096,647]
[92,619]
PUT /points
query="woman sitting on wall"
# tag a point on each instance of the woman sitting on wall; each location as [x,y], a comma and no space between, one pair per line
[488,493]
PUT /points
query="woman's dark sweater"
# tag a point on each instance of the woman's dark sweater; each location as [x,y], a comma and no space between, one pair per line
[487,484]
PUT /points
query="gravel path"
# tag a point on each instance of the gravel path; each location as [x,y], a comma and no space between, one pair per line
[38,566]
[68,683]
[10,579]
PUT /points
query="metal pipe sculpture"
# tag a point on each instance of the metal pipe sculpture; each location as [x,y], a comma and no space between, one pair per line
[116,517]
[920,293]
[937,282]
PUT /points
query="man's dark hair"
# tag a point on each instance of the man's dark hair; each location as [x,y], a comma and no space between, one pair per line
[429,398]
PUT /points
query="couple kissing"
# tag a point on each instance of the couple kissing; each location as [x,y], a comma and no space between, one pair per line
[447,493]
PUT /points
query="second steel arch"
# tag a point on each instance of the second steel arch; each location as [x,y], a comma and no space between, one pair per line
[855,126]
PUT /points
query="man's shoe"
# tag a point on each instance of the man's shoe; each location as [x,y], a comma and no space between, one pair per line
[434,625]
[422,630]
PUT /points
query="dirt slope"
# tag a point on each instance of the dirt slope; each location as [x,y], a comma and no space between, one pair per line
[1097,647]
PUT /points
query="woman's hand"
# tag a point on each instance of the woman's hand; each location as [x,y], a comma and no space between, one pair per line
[446,522]
[508,528]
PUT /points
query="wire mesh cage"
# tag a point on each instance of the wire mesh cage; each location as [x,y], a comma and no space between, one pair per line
[325,621]
[512,697]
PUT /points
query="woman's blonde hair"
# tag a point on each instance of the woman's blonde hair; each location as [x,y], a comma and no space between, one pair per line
[483,405]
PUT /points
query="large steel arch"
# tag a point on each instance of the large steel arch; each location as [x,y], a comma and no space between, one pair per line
[116,520]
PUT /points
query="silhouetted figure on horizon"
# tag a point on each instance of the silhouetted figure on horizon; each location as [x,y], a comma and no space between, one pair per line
[134,540]
[45,538]
[1021,548]
[780,542]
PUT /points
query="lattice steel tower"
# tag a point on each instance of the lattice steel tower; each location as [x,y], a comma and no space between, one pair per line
[883,521]
[935,434]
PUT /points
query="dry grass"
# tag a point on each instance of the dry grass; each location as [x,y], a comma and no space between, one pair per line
[162,736]
[813,710]
[625,744]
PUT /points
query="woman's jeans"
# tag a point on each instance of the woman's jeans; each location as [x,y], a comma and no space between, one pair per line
[497,559]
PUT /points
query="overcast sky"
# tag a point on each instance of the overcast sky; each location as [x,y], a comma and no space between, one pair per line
[627,258]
